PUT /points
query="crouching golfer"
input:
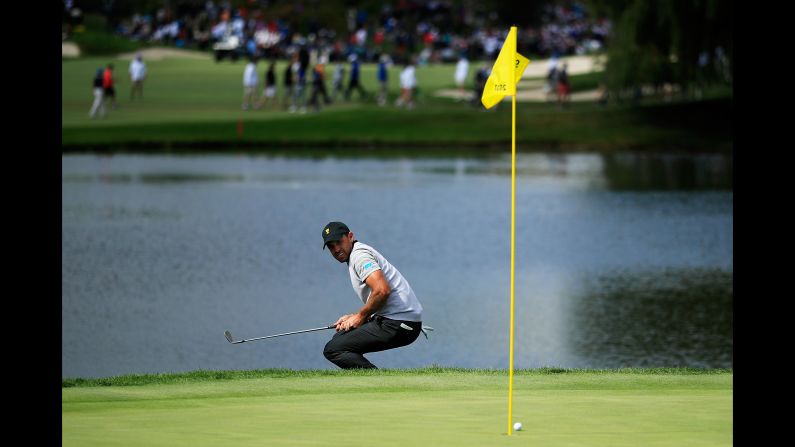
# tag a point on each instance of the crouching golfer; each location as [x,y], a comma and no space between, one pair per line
[391,315]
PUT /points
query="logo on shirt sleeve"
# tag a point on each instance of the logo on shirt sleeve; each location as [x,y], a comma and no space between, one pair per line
[367,266]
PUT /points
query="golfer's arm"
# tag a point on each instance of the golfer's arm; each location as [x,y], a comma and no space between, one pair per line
[379,291]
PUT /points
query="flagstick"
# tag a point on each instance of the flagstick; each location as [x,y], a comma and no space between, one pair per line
[513,250]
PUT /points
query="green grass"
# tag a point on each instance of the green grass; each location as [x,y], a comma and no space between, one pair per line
[195,104]
[429,406]
[587,81]
[210,375]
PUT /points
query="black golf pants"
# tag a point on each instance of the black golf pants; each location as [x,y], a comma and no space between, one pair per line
[345,349]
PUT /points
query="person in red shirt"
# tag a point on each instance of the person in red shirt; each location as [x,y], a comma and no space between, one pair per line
[564,88]
[378,38]
[107,85]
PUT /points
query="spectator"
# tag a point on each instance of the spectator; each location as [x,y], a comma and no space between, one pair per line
[319,86]
[299,76]
[408,82]
[289,84]
[563,86]
[567,29]
[383,64]
[353,82]
[269,92]
[551,84]
[250,81]
[99,103]
[337,79]
[108,86]
[481,76]
[137,75]
[461,72]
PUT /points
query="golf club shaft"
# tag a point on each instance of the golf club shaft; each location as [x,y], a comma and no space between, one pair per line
[286,333]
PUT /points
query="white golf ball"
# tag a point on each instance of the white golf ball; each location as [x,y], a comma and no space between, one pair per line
[517,426]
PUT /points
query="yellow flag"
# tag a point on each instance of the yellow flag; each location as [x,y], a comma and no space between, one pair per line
[506,72]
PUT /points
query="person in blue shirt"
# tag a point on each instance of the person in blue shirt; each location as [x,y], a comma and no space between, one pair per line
[353,82]
[319,86]
[383,64]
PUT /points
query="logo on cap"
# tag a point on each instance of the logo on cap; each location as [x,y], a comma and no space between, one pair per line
[334,231]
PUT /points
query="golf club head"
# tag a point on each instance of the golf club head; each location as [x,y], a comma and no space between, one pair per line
[425,330]
[228,336]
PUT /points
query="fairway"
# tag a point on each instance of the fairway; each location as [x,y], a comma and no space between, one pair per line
[195,104]
[431,406]
[196,90]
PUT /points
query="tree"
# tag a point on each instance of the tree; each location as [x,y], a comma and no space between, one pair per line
[654,42]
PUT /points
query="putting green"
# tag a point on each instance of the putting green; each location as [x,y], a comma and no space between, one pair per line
[414,407]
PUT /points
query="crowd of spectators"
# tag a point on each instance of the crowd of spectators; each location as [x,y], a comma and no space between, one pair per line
[568,30]
[432,31]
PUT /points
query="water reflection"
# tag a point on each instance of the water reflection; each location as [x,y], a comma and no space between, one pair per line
[655,171]
[623,171]
[672,317]
[627,171]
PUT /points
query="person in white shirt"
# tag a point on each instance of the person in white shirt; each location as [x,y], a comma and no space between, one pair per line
[137,76]
[391,316]
[337,79]
[551,84]
[461,72]
[250,81]
[408,81]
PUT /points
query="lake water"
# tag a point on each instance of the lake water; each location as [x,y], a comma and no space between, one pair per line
[622,260]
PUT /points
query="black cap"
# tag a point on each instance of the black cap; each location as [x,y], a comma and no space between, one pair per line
[333,231]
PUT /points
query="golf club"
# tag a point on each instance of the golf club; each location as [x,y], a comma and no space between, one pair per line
[229,337]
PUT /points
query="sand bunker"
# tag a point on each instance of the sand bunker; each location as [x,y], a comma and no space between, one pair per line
[69,49]
[157,54]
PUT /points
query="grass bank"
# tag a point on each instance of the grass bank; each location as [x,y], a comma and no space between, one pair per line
[429,406]
[95,38]
[194,105]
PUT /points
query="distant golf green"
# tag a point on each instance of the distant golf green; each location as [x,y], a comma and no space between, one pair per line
[430,406]
[196,103]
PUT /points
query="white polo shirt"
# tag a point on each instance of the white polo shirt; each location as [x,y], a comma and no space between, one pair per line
[401,304]
[137,70]
[407,78]
[461,70]
[250,75]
